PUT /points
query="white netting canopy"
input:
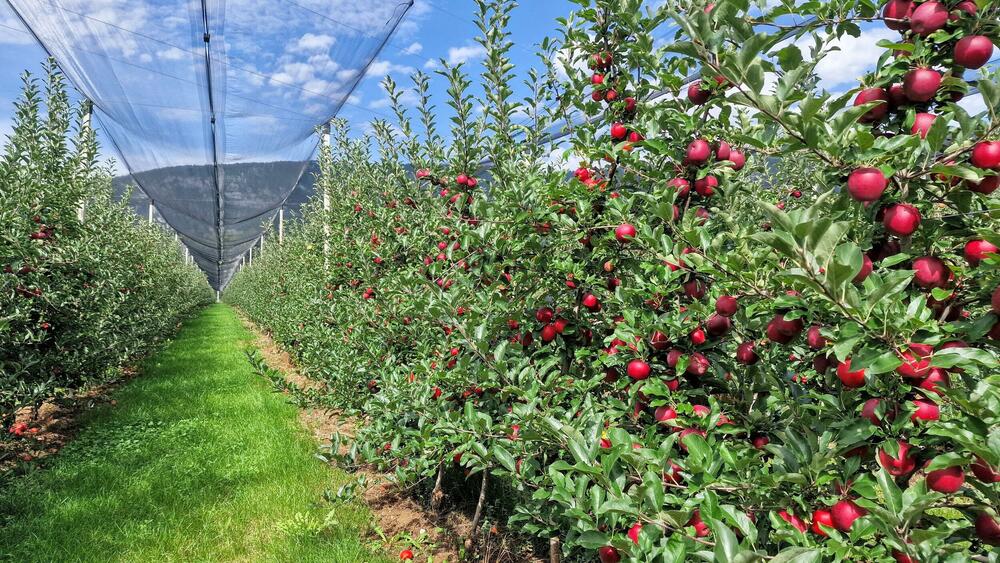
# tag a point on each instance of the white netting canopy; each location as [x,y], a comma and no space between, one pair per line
[213,104]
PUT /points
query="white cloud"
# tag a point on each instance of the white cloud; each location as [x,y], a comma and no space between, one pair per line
[11,37]
[457,55]
[856,56]
[173,54]
[407,97]
[380,68]
[432,64]
[313,42]
[414,48]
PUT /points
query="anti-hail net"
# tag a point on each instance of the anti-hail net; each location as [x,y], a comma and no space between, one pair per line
[213,104]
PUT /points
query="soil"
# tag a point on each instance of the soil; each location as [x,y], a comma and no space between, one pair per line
[54,423]
[396,513]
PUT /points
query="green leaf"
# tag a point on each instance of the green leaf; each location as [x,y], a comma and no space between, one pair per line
[891,494]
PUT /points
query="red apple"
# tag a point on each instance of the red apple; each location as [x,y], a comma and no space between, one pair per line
[903,464]
[759,441]
[821,517]
[698,152]
[549,333]
[922,124]
[815,339]
[718,325]
[937,377]
[851,379]
[869,411]
[916,361]
[544,315]
[618,131]
[930,272]
[625,232]
[986,154]
[726,305]
[694,288]
[745,354]
[866,184]
[973,51]
[698,365]
[901,219]
[866,269]
[664,413]
[608,554]
[928,18]
[995,300]
[794,520]
[921,84]
[638,370]
[977,250]
[879,111]
[681,186]
[706,186]
[700,528]
[633,532]
[591,302]
[988,529]
[844,513]
[947,480]
[984,472]
[896,14]
[722,150]
[738,159]
[697,95]
[925,410]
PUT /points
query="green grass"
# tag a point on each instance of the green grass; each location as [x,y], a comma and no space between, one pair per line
[199,461]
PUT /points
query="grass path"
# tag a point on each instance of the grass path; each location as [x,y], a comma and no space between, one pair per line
[199,461]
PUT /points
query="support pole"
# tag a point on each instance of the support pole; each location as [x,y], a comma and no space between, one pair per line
[326,206]
[150,212]
[88,112]
[262,244]
[281,226]
[251,256]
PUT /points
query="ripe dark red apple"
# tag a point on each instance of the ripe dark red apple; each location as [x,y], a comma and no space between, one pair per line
[695,288]
[815,339]
[701,529]
[625,232]
[718,325]
[633,532]
[988,529]
[995,301]
[947,480]
[738,159]
[977,250]
[902,464]
[597,79]
[706,186]
[638,370]
[793,520]
[783,330]
[697,95]
[973,51]
[869,411]
[659,341]
[986,154]
[759,441]
[936,378]
[928,18]
[618,131]
[897,98]
[851,379]
[722,150]
[866,184]
[877,112]
[921,84]
[896,14]
[698,152]
[544,315]
[664,413]
[821,517]
[985,186]
[697,336]
[866,269]
[698,364]
[681,186]
[591,302]
[549,333]
[901,219]
[922,124]
[608,554]
[726,305]
[930,272]
[844,513]
[916,361]
[982,470]
[745,354]
[926,410]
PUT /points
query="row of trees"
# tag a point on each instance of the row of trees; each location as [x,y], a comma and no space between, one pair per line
[78,298]
[759,321]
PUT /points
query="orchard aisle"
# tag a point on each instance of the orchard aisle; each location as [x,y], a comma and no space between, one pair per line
[199,461]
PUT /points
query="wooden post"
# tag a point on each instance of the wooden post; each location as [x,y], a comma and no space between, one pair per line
[326,207]
[88,112]
[281,226]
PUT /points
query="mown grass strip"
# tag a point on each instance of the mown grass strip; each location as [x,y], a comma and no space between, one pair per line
[199,461]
